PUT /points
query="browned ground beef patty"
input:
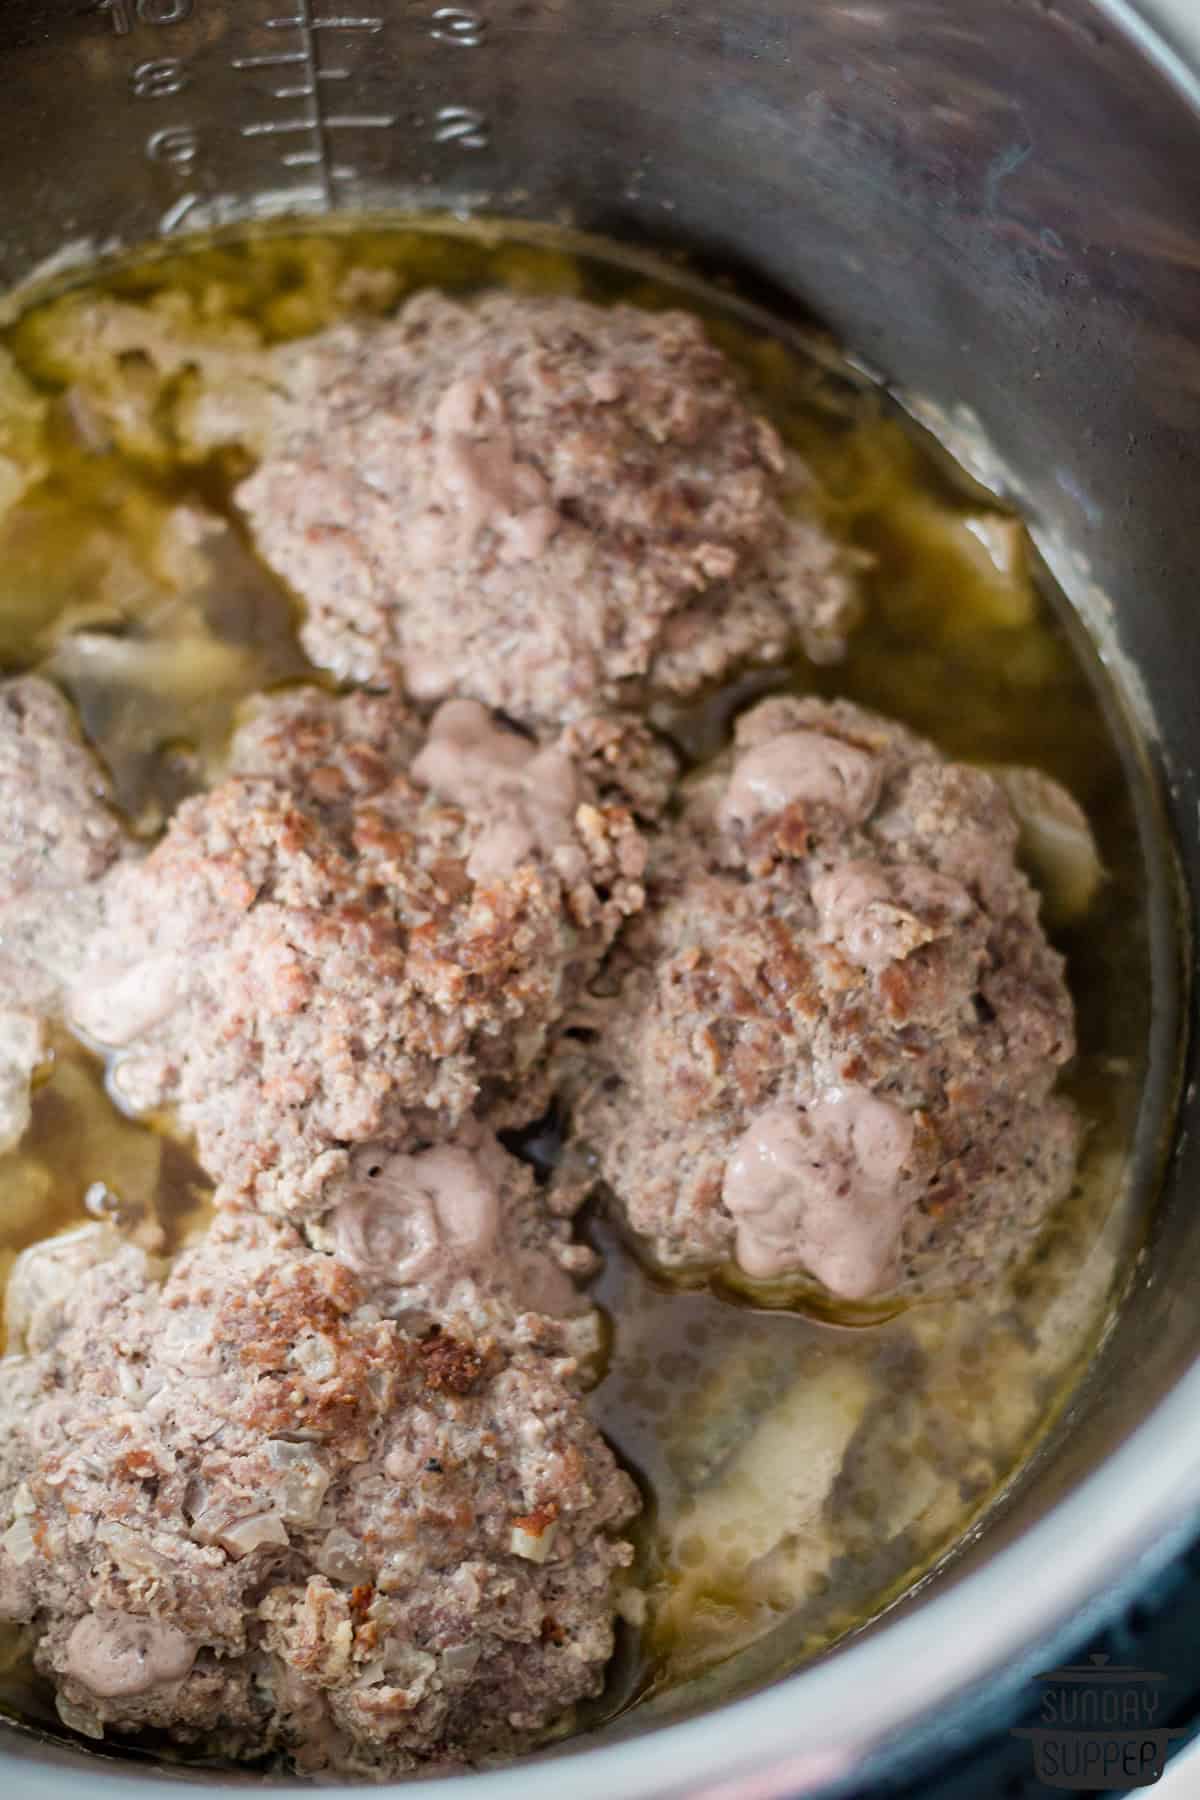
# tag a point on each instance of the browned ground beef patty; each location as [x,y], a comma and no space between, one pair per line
[242,1506]
[58,835]
[538,502]
[837,1026]
[58,828]
[364,932]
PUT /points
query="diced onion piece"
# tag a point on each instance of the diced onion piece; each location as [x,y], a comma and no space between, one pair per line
[77,1718]
[343,1557]
[410,1669]
[632,1606]
[304,1480]
[534,1546]
[18,1541]
[260,1531]
[1056,841]
[459,1660]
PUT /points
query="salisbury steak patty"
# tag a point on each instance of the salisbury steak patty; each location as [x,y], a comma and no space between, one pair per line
[363,932]
[837,1026]
[243,1507]
[57,836]
[540,503]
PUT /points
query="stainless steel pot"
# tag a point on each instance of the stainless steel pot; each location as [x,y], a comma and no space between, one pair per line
[998,203]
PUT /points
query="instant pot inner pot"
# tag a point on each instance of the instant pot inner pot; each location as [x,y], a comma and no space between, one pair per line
[995,202]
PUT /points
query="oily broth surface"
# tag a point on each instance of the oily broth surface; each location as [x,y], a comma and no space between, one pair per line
[794,1466]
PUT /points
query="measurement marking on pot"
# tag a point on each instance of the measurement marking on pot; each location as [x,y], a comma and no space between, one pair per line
[458,25]
[350,122]
[360,122]
[301,22]
[177,145]
[175,215]
[274,61]
[462,125]
[286,59]
[303,94]
[158,79]
[276,127]
[124,14]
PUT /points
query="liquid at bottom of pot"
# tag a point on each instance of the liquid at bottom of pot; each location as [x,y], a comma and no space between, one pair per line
[795,1466]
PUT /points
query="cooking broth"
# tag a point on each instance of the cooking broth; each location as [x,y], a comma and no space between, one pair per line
[795,1466]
